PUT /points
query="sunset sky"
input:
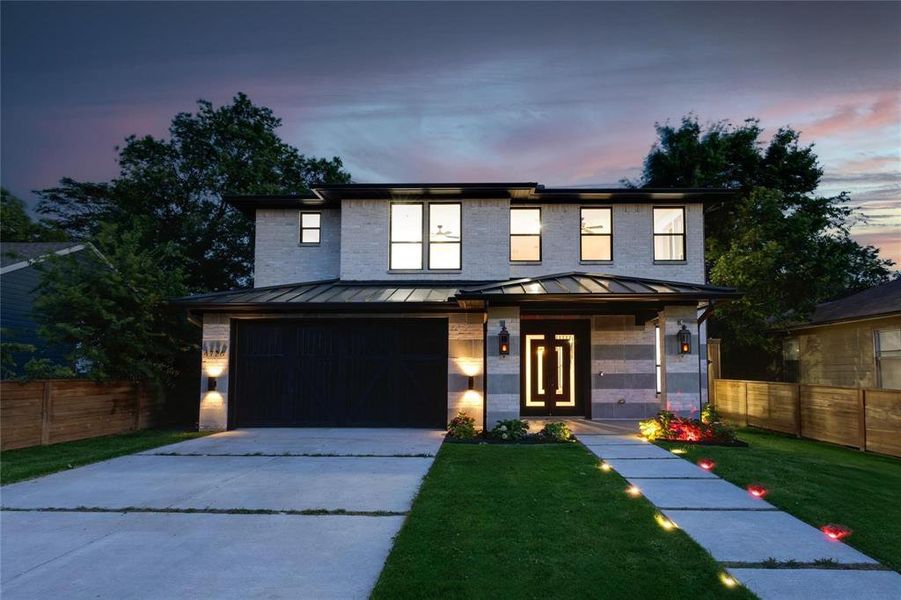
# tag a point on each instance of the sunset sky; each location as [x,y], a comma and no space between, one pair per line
[562,94]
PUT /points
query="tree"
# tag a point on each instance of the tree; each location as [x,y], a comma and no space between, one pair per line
[173,189]
[113,310]
[777,241]
[17,226]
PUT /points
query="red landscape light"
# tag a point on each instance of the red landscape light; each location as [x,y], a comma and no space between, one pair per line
[758,491]
[835,532]
[706,464]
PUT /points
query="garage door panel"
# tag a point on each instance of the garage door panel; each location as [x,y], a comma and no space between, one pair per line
[350,372]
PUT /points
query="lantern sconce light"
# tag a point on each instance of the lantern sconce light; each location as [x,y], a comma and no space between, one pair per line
[684,338]
[503,340]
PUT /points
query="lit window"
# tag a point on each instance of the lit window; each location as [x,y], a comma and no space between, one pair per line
[888,358]
[444,236]
[310,228]
[596,232]
[658,358]
[406,236]
[669,233]
[525,234]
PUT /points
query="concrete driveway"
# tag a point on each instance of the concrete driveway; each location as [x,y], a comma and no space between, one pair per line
[257,513]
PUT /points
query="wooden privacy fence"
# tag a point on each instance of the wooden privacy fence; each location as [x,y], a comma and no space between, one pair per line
[61,410]
[866,418]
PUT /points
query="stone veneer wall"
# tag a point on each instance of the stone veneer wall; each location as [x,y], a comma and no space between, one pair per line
[465,352]
[682,372]
[214,405]
[503,372]
[623,375]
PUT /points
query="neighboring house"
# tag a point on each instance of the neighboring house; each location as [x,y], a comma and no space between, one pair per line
[854,341]
[402,304]
[19,279]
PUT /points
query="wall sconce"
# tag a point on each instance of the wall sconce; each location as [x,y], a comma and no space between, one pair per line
[503,340]
[684,337]
[472,383]
[211,384]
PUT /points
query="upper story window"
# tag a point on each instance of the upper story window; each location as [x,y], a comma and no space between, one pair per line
[310,227]
[444,236]
[669,233]
[596,234]
[525,234]
[443,247]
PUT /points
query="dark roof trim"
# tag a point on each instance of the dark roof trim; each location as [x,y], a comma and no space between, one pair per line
[330,196]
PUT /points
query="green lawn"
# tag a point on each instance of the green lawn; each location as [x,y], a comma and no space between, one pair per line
[820,483]
[539,522]
[16,465]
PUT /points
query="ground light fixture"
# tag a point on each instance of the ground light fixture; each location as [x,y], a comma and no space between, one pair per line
[678,451]
[665,523]
[684,338]
[634,491]
[835,531]
[503,340]
[728,580]
[706,464]
[758,491]
[604,466]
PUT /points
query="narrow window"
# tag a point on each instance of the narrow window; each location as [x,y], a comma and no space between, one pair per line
[888,358]
[445,236]
[525,234]
[657,358]
[406,236]
[310,224]
[669,233]
[596,232]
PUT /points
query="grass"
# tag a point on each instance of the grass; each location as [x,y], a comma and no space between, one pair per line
[819,483]
[496,521]
[27,463]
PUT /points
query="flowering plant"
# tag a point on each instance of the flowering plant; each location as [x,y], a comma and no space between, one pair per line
[462,427]
[511,429]
[558,432]
[667,426]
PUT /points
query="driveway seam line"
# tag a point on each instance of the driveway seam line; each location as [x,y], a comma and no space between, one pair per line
[306,512]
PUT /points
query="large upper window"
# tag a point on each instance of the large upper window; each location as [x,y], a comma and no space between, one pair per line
[669,233]
[444,236]
[310,228]
[406,236]
[888,358]
[443,245]
[596,234]
[525,234]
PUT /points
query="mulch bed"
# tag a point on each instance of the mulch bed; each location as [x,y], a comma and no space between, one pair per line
[529,440]
[728,444]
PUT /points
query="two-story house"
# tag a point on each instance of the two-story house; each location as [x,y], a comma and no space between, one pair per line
[399,305]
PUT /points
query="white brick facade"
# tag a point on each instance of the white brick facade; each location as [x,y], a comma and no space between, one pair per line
[279,257]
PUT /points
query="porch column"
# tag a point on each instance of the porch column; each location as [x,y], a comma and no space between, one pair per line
[503,371]
[681,372]
[214,367]
[464,361]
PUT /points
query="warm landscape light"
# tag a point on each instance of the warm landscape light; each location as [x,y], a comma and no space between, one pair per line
[664,522]
[633,491]
[835,532]
[758,491]
[728,580]
[678,450]
[706,464]
[604,466]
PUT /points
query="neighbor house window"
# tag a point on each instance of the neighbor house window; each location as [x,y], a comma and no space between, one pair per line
[310,224]
[669,233]
[525,234]
[406,236]
[791,360]
[658,358]
[444,236]
[888,358]
[596,234]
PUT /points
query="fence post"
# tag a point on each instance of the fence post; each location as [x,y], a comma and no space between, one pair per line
[745,402]
[798,410]
[46,410]
[862,418]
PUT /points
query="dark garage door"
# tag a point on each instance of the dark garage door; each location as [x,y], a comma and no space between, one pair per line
[340,373]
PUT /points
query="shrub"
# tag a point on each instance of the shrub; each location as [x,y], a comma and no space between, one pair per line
[670,427]
[558,432]
[511,429]
[462,427]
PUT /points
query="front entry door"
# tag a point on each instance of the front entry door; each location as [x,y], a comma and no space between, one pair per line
[552,370]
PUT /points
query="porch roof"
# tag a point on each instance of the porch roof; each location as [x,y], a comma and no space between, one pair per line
[445,294]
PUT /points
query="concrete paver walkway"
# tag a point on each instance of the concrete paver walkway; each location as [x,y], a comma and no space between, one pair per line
[742,531]
[233,515]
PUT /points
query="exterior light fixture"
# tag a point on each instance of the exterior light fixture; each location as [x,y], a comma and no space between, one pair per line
[633,491]
[665,523]
[758,491]
[835,532]
[472,383]
[706,464]
[728,580]
[503,340]
[211,384]
[684,337]
[605,466]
